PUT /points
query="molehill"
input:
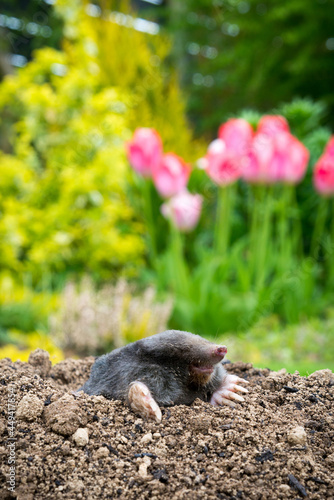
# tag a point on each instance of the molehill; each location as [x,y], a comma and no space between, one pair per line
[276,444]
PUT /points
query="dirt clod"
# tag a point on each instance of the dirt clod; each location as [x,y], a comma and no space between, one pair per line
[29,408]
[196,452]
[40,360]
[64,416]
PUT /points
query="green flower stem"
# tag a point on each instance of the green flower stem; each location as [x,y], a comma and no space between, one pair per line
[147,194]
[331,250]
[319,227]
[298,242]
[263,239]
[254,214]
[285,248]
[179,268]
[223,220]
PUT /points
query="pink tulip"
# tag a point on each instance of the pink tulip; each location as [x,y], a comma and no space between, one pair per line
[272,124]
[291,158]
[237,134]
[184,210]
[276,158]
[144,151]
[170,175]
[323,176]
[330,147]
[222,166]
[257,168]
[227,154]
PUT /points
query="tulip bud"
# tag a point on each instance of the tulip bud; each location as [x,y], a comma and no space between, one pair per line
[330,147]
[222,166]
[272,124]
[183,210]
[323,175]
[170,175]
[237,134]
[144,151]
[226,155]
[290,159]
[279,157]
[257,167]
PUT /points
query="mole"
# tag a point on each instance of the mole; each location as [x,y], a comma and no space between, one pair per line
[169,368]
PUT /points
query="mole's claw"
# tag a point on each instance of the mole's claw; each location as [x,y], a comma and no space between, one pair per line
[227,393]
[243,380]
[240,389]
[156,412]
[236,397]
[236,379]
[227,402]
[141,402]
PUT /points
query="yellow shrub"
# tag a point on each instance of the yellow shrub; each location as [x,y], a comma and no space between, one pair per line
[24,344]
[64,118]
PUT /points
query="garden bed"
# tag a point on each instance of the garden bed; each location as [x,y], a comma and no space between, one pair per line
[277,444]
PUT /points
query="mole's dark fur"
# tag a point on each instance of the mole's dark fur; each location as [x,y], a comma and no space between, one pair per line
[164,363]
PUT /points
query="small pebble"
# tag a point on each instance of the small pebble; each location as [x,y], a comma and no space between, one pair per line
[66,450]
[143,465]
[80,437]
[147,438]
[102,452]
[297,436]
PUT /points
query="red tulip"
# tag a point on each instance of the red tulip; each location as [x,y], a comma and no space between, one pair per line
[170,175]
[144,151]
[272,124]
[221,165]
[323,176]
[184,210]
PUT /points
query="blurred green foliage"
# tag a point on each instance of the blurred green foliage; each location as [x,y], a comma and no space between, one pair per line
[306,347]
[221,294]
[239,53]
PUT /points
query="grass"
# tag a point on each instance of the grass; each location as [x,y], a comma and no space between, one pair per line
[305,347]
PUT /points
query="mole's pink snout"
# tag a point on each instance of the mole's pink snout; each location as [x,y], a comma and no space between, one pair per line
[220,352]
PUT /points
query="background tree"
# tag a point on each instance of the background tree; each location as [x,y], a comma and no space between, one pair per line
[25,26]
[252,53]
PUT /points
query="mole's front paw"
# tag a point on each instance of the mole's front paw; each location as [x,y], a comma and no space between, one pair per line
[226,394]
[141,401]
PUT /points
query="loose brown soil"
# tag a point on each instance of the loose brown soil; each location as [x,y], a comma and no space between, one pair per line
[277,444]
